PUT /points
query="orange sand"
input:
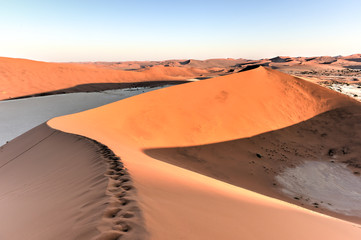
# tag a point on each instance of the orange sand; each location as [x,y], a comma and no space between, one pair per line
[216,110]
[180,204]
[20,77]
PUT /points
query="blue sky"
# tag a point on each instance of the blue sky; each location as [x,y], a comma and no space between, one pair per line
[109,30]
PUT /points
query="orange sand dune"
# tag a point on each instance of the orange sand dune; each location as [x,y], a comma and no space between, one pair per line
[180,204]
[253,163]
[20,77]
[60,186]
[213,63]
[216,110]
[190,63]
[173,71]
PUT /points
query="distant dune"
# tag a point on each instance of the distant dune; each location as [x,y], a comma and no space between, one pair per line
[206,116]
[21,77]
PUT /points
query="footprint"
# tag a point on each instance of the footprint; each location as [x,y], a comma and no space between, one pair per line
[111,213]
[109,235]
[115,177]
[110,172]
[127,187]
[120,194]
[120,209]
[118,169]
[124,201]
[128,215]
[124,180]
[122,226]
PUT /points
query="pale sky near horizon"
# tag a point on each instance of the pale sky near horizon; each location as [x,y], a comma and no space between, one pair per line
[110,30]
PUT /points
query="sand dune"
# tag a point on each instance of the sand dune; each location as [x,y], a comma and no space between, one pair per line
[217,110]
[279,62]
[20,77]
[181,204]
[253,162]
[187,63]
[24,114]
[56,189]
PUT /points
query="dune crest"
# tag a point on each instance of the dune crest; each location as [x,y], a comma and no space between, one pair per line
[180,204]
[220,109]
[63,186]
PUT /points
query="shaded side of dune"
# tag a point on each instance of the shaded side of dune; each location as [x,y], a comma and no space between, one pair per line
[97,87]
[252,163]
[55,185]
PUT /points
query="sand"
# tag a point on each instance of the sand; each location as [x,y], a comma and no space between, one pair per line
[56,188]
[319,68]
[182,204]
[243,105]
[21,115]
[253,162]
[21,77]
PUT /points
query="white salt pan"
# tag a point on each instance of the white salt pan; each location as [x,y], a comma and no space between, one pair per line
[330,185]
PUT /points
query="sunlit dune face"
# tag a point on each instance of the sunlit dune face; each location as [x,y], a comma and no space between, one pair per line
[215,110]
[178,203]
[20,77]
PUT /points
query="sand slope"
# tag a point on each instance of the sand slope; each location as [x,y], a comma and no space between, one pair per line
[49,194]
[55,185]
[21,115]
[216,110]
[34,77]
[19,77]
[180,204]
[253,162]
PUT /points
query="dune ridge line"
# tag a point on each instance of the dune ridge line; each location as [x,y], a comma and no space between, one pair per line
[65,186]
[221,109]
[118,218]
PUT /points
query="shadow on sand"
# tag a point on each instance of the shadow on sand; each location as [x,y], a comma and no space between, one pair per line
[253,163]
